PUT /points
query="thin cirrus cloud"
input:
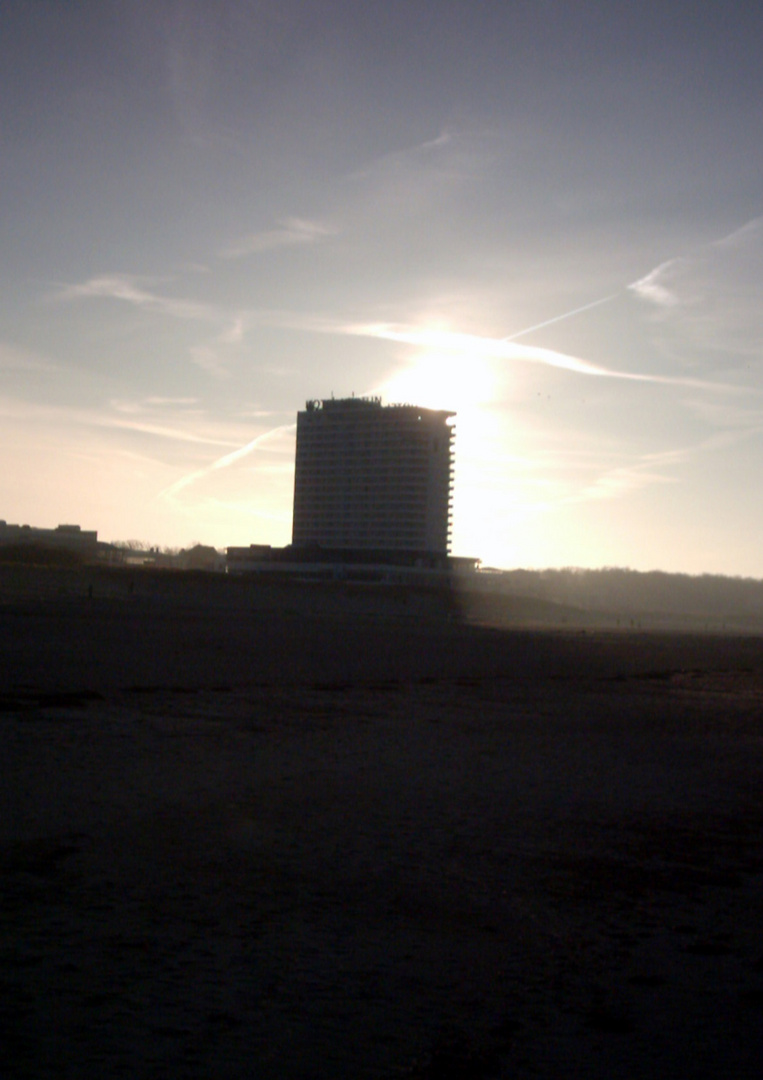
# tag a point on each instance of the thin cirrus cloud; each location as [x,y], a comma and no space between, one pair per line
[455,341]
[421,182]
[127,289]
[15,359]
[718,282]
[119,419]
[728,416]
[412,173]
[160,430]
[751,231]
[647,470]
[653,286]
[235,323]
[291,232]
[503,349]
[653,468]
[391,161]
[211,355]
[208,355]
[224,462]
[710,300]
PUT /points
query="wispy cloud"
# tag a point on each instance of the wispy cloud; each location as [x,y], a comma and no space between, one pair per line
[709,304]
[729,416]
[653,288]
[503,349]
[472,344]
[150,405]
[128,289]
[291,232]
[160,430]
[622,480]
[12,358]
[113,418]
[416,156]
[234,333]
[395,192]
[750,231]
[209,355]
[654,468]
[213,355]
[225,461]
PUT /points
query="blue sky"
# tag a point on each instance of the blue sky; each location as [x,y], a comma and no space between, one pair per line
[546,216]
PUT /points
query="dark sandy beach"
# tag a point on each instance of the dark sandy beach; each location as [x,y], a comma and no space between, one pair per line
[256,845]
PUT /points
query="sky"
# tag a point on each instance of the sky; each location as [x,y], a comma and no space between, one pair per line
[545,216]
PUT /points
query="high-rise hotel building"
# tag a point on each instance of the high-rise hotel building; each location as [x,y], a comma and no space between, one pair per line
[373,477]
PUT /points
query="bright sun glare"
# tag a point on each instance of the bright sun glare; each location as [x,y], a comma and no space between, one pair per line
[468,384]
[442,380]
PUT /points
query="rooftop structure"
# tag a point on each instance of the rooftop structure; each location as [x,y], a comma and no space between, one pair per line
[373,477]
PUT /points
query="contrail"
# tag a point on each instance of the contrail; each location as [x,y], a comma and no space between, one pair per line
[223,462]
[504,349]
[559,318]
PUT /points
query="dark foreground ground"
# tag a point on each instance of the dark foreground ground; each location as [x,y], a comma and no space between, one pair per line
[260,846]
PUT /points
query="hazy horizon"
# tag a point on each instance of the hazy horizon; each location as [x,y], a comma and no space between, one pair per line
[547,218]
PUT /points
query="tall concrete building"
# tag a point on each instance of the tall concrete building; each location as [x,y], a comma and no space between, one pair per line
[370,476]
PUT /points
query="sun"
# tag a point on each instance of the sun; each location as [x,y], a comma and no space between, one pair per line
[435,379]
[467,383]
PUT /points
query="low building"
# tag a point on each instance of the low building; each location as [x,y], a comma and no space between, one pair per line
[68,537]
[200,557]
[315,563]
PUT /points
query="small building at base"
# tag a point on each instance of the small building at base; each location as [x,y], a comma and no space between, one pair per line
[369,565]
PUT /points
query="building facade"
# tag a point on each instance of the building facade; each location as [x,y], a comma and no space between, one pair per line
[370,476]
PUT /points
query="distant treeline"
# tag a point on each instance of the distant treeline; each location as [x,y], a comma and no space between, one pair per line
[632,592]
